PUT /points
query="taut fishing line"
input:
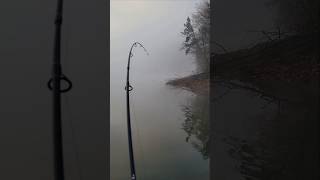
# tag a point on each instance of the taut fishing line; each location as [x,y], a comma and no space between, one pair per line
[129,88]
[139,139]
[73,138]
[69,119]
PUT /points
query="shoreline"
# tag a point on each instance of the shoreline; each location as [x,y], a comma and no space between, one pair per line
[286,65]
[196,83]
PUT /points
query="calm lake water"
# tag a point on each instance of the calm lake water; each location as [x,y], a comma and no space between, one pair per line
[256,137]
[158,111]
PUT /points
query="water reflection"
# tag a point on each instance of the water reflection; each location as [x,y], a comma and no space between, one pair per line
[258,133]
[277,137]
[196,124]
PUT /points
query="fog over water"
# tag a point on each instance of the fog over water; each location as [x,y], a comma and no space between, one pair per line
[159,141]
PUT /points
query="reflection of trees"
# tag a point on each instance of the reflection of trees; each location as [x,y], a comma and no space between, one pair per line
[278,149]
[196,124]
[256,160]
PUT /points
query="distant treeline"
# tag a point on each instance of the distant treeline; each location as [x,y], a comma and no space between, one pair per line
[197,36]
[292,17]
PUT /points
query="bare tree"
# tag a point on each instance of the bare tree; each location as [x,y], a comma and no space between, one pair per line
[190,45]
[197,34]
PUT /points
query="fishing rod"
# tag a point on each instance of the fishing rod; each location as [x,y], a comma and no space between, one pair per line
[129,88]
[55,86]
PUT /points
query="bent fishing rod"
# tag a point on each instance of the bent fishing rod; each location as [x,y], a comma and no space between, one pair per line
[129,88]
[55,86]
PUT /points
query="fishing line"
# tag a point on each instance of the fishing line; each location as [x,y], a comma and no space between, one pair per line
[138,137]
[69,119]
[129,88]
[136,124]
[73,139]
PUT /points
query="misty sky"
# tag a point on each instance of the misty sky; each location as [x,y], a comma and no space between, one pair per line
[156,24]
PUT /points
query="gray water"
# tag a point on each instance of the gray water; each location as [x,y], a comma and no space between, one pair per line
[258,138]
[160,147]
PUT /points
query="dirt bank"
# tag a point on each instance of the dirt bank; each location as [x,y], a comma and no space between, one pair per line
[197,83]
[278,66]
